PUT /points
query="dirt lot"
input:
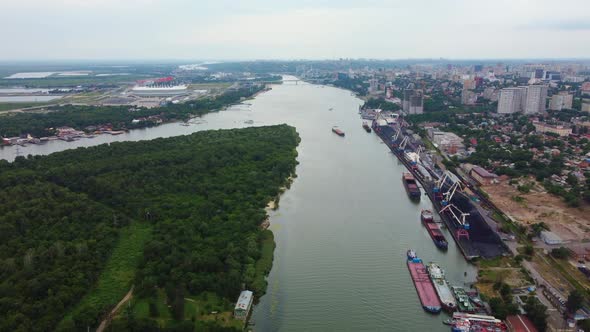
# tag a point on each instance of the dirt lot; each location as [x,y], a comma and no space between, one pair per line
[571,224]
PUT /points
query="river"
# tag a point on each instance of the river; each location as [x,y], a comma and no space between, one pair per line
[342,229]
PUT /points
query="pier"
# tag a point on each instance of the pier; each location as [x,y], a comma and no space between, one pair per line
[477,240]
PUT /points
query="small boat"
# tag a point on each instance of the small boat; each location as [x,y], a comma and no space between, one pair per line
[330,109]
[366,127]
[463,302]
[448,321]
[337,131]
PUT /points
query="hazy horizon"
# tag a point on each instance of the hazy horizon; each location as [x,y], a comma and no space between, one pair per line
[183,30]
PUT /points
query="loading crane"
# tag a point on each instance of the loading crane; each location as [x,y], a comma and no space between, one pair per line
[447,196]
[459,217]
[437,190]
[402,145]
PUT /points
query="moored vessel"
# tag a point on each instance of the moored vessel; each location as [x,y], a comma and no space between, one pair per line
[411,186]
[424,287]
[433,230]
[474,323]
[437,275]
[366,127]
[337,131]
[463,302]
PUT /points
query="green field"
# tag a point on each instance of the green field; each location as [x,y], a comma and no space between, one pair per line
[115,281]
[14,106]
[264,264]
[207,307]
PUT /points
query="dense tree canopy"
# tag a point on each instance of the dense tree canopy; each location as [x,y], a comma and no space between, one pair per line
[203,195]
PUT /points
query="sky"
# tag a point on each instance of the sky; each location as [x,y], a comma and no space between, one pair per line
[293,29]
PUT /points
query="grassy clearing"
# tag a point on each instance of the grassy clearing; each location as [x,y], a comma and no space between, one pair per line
[264,264]
[207,307]
[15,106]
[115,281]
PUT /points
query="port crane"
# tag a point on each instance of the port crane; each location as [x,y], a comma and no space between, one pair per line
[438,186]
[402,145]
[459,218]
[450,193]
[396,136]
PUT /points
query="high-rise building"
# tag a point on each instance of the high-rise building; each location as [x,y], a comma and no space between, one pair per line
[373,85]
[536,99]
[468,97]
[562,100]
[539,73]
[511,100]
[469,84]
[413,102]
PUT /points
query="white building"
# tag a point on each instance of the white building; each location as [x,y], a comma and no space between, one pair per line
[550,238]
[243,305]
[511,100]
[562,100]
[528,99]
[536,99]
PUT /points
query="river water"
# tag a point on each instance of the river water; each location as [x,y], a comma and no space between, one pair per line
[343,228]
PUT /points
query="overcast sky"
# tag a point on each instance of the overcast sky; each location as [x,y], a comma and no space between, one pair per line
[293,29]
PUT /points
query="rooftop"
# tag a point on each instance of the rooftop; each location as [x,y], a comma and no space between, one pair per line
[244,300]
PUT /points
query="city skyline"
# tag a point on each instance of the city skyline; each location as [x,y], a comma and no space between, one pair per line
[260,29]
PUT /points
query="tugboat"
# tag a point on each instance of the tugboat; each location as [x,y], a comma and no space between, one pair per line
[337,131]
[411,254]
[462,298]
[433,230]
[366,127]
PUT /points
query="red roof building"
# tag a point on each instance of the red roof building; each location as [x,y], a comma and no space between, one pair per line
[520,323]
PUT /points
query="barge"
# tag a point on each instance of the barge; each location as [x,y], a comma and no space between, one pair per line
[433,230]
[424,287]
[437,275]
[411,186]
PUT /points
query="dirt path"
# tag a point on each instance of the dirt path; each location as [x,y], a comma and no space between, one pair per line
[103,325]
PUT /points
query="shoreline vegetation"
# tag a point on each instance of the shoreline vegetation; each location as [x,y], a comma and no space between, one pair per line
[189,208]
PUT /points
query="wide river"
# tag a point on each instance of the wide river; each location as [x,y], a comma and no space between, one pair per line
[343,228]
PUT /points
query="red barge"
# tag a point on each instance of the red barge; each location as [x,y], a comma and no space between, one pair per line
[423,284]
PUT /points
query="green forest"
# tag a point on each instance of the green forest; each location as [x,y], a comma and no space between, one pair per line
[177,217]
[120,117]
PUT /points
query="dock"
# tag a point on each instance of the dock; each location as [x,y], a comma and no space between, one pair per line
[480,240]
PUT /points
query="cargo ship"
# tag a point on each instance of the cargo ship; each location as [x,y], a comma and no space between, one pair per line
[366,127]
[411,186]
[432,227]
[337,131]
[476,323]
[437,275]
[423,285]
[463,302]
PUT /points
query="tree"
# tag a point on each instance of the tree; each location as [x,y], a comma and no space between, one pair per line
[561,253]
[574,301]
[537,313]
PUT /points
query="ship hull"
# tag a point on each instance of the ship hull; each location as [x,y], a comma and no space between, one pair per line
[435,234]
[424,287]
